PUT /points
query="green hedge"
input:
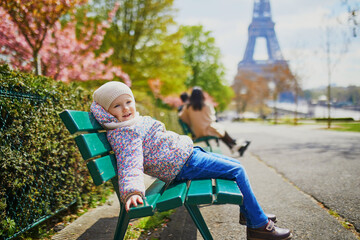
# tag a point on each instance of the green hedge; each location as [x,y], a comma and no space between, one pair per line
[347,119]
[41,170]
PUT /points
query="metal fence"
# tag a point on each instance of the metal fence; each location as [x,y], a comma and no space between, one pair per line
[33,186]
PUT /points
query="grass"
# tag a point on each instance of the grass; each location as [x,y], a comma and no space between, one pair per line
[353,126]
[145,228]
[347,225]
[346,126]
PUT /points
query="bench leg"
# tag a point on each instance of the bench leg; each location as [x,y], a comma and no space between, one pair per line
[122,224]
[199,221]
[209,145]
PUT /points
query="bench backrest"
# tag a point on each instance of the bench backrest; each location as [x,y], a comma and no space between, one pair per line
[101,162]
[92,143]
[186,129]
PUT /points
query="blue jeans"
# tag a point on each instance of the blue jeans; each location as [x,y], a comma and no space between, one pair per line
[203,165]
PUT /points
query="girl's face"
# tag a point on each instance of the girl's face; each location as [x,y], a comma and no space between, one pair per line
[123,108]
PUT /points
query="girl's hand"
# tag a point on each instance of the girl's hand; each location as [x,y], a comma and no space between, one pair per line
[133,201]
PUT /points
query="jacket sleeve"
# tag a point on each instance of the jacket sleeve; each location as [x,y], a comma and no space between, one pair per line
[129,156]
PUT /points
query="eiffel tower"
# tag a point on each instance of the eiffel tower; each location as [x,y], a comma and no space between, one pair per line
[261,26]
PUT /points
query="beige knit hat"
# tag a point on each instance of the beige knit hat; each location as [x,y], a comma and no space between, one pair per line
[108,92]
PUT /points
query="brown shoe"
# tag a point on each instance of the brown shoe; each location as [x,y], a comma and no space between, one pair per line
[269,231]
[242,218]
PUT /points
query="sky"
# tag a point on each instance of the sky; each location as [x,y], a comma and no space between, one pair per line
[300,27]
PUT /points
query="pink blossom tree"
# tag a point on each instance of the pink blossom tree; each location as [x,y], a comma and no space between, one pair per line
[171,100]
[13,44]
[62,55]
[33,19]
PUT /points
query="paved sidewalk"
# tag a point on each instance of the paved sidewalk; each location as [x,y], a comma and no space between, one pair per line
[294,209]
[98,223]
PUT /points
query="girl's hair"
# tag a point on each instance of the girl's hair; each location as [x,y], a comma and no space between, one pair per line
[197,99]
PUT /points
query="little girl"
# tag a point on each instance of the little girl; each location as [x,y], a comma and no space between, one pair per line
[143,145]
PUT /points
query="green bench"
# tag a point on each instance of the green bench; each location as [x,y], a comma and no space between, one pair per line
[187,131]
[96,151]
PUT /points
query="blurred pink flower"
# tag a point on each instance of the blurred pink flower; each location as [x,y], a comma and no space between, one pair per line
[63,56]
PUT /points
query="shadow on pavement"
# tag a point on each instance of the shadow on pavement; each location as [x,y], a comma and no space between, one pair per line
[181,227]
[103,229]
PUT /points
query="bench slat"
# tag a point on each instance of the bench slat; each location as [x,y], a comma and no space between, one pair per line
[172,197]
[152,194]
[205,139]
[200,192]
[79,121]
[92,145]
[102,169]
[227,191]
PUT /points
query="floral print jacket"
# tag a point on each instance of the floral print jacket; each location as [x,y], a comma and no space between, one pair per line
[145,147]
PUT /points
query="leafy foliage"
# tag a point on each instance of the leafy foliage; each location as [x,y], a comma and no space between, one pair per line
[64,51]
[252,90]
[40,166]
[32,20]
[41,170]
[143,44]
[203,57]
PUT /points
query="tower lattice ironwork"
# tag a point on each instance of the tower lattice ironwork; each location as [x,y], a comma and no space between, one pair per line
[261,26]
